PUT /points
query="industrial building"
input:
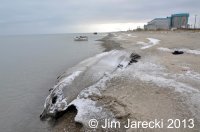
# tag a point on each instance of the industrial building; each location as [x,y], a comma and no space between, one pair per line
[175,21]
[179,20]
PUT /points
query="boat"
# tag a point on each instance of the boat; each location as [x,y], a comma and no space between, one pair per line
[95,33]
[81,38]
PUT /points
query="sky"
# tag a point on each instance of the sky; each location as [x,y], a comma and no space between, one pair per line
[72,16]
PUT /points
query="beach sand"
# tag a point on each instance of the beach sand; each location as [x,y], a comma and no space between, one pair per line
[159,86]
[143,98]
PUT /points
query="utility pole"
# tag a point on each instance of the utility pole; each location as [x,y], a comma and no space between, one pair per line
[195,21]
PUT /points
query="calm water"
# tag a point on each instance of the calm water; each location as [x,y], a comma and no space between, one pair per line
[29,66]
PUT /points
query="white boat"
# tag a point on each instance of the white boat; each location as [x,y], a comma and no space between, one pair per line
[81,38]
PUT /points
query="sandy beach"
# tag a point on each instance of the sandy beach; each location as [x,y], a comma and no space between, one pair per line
[159,86]
[100,66]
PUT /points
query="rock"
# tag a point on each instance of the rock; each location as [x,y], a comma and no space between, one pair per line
[176,52]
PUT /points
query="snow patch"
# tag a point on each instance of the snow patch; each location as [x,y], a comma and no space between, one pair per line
[152,42]
[142,43]
[164,49]
[150,72]
[197,52]
[96,88]
[88,109]
[67,80]
[130,35]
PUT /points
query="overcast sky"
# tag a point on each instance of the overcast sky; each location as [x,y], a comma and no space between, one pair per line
[66,16]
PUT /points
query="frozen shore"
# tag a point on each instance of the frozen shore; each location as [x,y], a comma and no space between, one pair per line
[159,86]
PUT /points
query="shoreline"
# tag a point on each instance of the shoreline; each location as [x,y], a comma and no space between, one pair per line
[109,44]
[149,88]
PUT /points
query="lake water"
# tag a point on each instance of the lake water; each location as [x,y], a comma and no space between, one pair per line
[29,66]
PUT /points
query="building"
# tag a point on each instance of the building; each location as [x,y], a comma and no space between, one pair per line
[179,20]
[175,21]
[159,23]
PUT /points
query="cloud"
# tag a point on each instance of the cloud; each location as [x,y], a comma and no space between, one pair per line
[52,16]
